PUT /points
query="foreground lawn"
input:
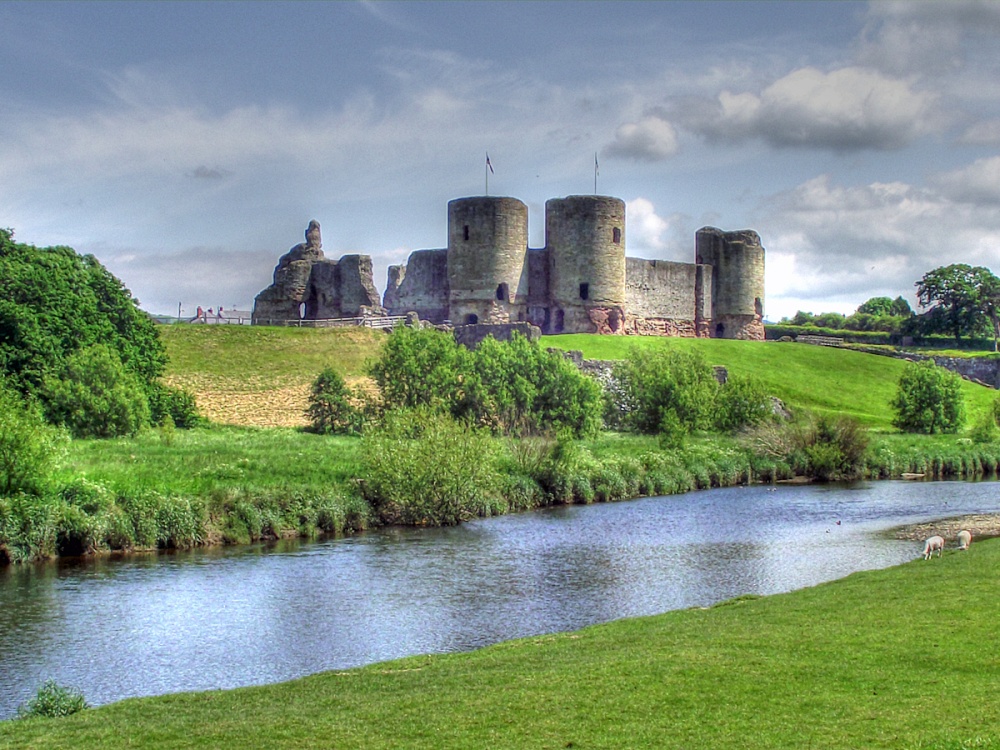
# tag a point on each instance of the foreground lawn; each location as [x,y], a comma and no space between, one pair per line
[899,658]
[822,379]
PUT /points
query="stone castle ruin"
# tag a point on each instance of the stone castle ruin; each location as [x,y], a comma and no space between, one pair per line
[580,282]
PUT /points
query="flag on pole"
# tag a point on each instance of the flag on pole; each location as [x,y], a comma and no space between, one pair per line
[597,169]
[488,163]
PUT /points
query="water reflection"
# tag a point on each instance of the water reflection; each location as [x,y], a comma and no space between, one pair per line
[227,617]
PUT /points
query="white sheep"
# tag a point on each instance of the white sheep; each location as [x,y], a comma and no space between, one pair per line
[964,539]
[933,543]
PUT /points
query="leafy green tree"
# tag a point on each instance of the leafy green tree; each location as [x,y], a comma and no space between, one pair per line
[96,396]
[28,445]
[877,306]
[957,297]
[516,386]
[54,303]
[331,410]
[928,400]
[657,389]
[420,367]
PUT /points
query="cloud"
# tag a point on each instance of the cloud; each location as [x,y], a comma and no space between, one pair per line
[649,139]
[646,230]
[983,133]
[840,245]
[978,183]
[202,172]
[907,38]
[849,109]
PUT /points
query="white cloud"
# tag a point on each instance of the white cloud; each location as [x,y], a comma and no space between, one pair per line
[848,109]
[646,229]
[836,244]
[650,139]
[977,183]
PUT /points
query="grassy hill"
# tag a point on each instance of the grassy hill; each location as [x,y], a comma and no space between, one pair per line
[260,376]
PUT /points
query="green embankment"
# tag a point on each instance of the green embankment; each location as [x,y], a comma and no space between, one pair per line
[899,658]
[823,379]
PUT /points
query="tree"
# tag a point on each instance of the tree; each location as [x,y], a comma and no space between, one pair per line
[956,297]
[928,400]
[55,303]
[876,306]
[96,396]
[330,410]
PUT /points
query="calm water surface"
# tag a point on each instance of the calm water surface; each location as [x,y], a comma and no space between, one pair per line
[225,618]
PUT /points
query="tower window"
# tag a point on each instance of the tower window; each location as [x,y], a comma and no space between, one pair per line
[502,291]
[471,319]
[616,235]
[465,233]
[584,291]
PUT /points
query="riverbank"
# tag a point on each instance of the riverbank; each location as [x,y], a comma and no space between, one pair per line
[980,525]
[873,660]
[223,485]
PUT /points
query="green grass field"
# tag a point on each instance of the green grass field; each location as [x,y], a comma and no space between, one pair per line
[822,379]
[899,658]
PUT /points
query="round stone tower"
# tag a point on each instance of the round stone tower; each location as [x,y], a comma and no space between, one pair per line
[487,253]
[585,240]
[737,261]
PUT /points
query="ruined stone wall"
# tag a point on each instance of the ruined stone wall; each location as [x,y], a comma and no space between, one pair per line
[667,298]
[585,239]
[538,287]
[307,285]
[487,258]
[420,286]
[737,261]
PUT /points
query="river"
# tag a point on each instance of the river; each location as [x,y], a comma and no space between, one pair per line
[222,618]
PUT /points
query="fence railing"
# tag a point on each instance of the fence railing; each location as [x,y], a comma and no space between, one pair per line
[820,340]
[387,321]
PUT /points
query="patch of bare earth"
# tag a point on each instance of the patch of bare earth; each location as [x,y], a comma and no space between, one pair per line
[252,402]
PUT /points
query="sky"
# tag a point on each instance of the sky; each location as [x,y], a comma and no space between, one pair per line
[187,145]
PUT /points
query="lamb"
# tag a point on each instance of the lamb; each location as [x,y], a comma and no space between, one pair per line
[964,539]
[933,543]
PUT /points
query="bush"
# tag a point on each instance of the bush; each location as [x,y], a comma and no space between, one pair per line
[424,468]
[330,410]
[52,700]
[663,390]
[928,400]
[511,387]
[740,403]
[96,396]
[175,404]
[28,446]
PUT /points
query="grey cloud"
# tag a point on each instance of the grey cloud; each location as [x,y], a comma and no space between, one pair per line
[849,109]
[209,173]
[978,183]
[983,133]
[904,38]
[653,138]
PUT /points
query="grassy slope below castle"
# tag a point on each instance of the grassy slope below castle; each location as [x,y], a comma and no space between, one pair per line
[897,658]
[260,376]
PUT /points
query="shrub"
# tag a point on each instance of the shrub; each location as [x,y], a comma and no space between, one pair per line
[742,402]
[53,700]
[330,410]
[29,448]
[425,468]
[175,404]
[96,396]
[660,389]
[420,368]
[928,400]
